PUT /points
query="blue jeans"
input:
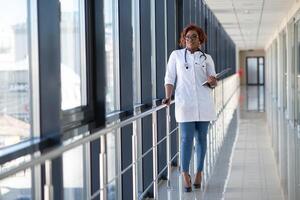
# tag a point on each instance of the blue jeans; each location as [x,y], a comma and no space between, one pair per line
[188,131]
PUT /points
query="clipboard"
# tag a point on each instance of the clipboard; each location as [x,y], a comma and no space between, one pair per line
[218,76]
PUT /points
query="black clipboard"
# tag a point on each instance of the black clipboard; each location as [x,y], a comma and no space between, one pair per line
[218,76]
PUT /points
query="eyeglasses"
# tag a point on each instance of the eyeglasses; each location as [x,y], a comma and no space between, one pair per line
[191,37]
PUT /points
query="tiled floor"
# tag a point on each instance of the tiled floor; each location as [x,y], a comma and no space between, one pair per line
[246,166]
[253,170]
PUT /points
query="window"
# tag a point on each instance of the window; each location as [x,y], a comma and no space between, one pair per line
[15,106]
[112,87]
[252,70]
[285,71]
[255,71]
[111,42]
[18,66]
[297,56]
[73,55]
[261,70]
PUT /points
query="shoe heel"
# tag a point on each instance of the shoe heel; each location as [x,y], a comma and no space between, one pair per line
[187,189]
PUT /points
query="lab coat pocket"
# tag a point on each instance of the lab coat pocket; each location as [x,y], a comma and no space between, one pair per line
[200,70]
[204,67]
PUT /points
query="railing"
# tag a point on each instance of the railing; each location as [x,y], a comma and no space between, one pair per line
[222,95]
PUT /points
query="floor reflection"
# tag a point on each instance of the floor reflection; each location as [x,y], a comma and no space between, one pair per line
[216,186]
[255,98]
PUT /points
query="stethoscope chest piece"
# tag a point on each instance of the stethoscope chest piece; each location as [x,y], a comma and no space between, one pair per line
[185,60]
[186,66]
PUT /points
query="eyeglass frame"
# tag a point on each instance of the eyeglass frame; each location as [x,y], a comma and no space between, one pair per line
[192,37]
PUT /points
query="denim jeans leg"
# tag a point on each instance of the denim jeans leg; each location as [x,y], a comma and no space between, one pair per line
[200,136]
[187,130]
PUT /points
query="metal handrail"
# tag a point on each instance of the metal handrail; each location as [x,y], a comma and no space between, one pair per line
[96,193]
[44,143]
[156,175]
[137,160]
[101,134]
[57,151]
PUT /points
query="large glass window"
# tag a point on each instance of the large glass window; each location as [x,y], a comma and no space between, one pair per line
[112,87]
[73,55]
[17,31]
[111,42]
[15,107]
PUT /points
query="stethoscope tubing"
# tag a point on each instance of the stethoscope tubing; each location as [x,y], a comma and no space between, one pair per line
[185,61]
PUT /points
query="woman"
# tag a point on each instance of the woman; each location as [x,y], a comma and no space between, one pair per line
[194,107]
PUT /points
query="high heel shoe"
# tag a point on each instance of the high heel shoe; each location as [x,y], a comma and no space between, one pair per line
[188,189]
[197,185]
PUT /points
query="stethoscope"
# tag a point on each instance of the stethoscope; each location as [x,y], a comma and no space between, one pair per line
[185,61]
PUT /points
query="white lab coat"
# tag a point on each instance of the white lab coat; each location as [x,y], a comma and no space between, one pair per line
[193,102]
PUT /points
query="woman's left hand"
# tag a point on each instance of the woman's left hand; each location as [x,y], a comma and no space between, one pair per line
[212,81]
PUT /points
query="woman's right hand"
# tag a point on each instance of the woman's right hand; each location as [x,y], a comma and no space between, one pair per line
[212,81]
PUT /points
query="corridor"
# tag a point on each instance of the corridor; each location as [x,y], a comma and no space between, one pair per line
[245,168]
[92,93]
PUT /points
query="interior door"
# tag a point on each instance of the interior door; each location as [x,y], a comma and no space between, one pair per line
[255,70]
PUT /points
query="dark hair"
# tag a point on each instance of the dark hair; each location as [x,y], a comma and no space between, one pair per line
[202,36]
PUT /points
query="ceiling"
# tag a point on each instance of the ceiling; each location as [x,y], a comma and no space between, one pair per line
[250,23]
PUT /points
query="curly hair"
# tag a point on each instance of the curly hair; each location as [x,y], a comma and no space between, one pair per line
[202,36]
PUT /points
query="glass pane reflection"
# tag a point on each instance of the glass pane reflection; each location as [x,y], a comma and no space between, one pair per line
[110,44]
[111,164]
[14,72]
[73,64]
[18,186]
[112,87]
[73,170]
[256,98]
[252,70]
[261,74]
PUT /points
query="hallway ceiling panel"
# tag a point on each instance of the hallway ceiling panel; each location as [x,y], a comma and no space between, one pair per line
[250,23]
